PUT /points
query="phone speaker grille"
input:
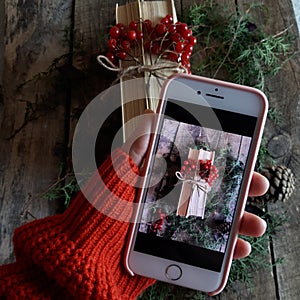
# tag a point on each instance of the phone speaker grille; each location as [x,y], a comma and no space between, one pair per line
[214,96]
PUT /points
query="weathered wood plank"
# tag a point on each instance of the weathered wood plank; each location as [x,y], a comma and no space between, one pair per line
[264,285]
[285,97]
[212,137]
[283,283]
[92,20]
[29,49]
[33,118]
[2,34]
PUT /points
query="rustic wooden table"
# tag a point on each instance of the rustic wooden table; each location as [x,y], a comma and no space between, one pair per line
[38,118]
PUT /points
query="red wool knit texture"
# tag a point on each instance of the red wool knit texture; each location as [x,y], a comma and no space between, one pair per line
[78,254]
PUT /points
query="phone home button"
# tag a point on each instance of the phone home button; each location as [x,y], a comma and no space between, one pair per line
[173,272]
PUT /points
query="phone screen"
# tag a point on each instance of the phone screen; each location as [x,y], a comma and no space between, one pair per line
[192,189]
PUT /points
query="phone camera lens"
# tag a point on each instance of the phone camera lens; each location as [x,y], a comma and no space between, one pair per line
[198,92]
[216,89]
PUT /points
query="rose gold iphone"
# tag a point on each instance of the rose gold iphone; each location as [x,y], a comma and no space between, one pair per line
[196,182]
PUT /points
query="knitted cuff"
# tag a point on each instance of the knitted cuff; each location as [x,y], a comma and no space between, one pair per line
[82,249]
[82,220]
[110,193]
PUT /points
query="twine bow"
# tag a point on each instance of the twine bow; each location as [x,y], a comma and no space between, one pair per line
[197,183]
[133,71]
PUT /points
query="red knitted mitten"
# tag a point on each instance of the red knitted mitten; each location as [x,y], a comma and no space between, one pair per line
[82,249]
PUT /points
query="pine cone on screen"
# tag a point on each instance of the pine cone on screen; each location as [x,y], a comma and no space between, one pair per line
[224,227]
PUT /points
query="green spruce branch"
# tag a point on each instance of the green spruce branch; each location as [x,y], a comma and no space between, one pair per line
[62,190]
[233,48]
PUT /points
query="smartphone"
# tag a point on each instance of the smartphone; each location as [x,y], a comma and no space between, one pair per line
[196,181]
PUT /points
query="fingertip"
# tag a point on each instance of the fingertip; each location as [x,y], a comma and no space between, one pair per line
[242,249]
[252,225]
[259,185]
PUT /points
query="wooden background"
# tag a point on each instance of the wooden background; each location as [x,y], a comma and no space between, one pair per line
[37,119]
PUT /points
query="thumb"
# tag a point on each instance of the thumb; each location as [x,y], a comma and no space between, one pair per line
[137,144]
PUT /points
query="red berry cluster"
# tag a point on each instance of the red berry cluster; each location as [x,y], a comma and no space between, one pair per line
[188,168]
[166,39]
[158,224]
[206,169]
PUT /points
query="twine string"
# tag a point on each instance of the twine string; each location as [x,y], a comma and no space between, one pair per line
[133,71]
[195,183]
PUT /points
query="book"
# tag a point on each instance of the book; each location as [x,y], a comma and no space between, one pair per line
[135,99]
[193,195]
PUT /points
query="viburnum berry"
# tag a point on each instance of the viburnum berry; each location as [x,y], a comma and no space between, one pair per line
[139,35]
[110,56]
[183,27]
[188,48]
[114,32]
[175,37]
[185,56]
[187,65]
[122,55]
[125,44]
[133,25]
[148,25]
[172,28]
[179,47]
[192,40]
[112,44]
[161,29]
[131,35]
[169,17]
[186,34]
[121,26]
[165,21]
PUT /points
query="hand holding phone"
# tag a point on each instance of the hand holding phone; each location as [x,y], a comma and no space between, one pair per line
[197,179]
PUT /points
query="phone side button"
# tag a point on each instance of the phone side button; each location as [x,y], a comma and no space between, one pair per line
[173,272]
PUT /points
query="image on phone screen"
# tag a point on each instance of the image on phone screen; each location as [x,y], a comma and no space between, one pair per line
[194,183]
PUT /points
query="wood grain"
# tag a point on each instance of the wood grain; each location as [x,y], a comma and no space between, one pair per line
[33,119]
[2,34]
[29,147]
[92,20]
[285,97]
[281,281]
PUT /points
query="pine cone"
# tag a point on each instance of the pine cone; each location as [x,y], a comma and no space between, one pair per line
[282,183]
[224,227]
